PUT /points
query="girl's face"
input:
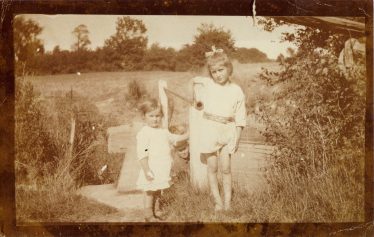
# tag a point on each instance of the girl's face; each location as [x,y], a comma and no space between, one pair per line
[220,74]
[153,118]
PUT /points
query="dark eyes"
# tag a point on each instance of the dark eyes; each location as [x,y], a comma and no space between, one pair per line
[218,70]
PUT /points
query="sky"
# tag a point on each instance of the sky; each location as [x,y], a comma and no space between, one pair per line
[168,31]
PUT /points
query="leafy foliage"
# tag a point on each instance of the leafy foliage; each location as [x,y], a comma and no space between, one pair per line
[316,120]
[193,56]
[32,145]
[252,55]
[158,58]
[127,46]
[126,50]
[43,129]
[26,42]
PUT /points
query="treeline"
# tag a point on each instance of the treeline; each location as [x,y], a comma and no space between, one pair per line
[125,50]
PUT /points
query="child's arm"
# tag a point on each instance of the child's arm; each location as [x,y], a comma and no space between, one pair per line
[147,171]
[239,130]
[240,119]
[173,138]
[199,80]
[142,146]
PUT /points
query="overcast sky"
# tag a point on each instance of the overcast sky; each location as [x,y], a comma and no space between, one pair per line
[168,31]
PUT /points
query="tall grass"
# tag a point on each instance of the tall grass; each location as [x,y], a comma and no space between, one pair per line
[48,171]
[332,196]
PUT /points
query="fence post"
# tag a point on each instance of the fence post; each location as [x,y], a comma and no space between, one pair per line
[72,128]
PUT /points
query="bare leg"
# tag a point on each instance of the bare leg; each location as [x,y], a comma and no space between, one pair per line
[148,205]
[159,211]
[212,178]
[225,158]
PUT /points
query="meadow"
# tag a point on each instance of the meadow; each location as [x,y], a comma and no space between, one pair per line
[284,197]
[107,90]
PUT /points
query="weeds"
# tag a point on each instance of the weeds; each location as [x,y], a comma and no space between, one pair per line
[48,171]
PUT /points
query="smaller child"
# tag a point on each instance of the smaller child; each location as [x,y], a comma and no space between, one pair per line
[154,155]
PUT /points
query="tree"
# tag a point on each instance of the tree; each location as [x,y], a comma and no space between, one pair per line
[82,41]
[252,55]
[26,42]
[209,35]
[159,58]
[127,46]
[56,49]
[193,56]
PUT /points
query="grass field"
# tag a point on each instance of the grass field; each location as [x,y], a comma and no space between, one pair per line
[107,89]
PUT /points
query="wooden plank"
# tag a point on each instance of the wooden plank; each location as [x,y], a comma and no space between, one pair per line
[162,85]
[198,170]
[130,167]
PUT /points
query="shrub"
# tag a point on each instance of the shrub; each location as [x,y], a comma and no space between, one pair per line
[48,172]
[316,124]
[135,93]
[34,152]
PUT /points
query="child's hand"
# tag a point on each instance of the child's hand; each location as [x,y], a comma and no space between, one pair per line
[237,138]
[149,175]
[235,147]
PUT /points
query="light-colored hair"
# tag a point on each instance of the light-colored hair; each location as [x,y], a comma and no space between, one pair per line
[149,105]
[219,58]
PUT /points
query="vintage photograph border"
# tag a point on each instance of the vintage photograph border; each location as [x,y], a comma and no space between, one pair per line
[250,8]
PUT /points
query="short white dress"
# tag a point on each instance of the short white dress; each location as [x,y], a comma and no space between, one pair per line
[154,143]
[224,110]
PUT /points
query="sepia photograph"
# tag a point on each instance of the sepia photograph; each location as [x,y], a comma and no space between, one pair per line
[189,119]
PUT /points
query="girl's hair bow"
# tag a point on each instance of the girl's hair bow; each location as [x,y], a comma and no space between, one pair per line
[214,50]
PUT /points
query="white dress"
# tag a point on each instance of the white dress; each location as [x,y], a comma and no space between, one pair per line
[222,101]
[154,144]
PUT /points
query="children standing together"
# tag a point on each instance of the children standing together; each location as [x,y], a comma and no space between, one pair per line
[224,117]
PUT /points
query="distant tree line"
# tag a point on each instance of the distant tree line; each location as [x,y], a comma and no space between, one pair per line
[125,50]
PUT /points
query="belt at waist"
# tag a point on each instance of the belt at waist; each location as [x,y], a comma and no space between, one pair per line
[217,118]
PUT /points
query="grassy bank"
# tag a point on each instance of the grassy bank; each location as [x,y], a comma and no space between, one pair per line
[333,196]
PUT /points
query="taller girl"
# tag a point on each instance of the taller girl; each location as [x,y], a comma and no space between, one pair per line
[224,117]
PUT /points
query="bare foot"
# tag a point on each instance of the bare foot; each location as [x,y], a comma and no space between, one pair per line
[218,207]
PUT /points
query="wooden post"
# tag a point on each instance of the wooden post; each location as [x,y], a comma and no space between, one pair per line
[198,170]
[72,128]
[164,102]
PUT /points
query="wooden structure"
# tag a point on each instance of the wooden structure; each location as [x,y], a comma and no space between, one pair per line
[341,25]
[198,170]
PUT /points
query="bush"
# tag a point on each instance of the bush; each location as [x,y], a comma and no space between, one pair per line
[48,172]
[34,151]
[316,123]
